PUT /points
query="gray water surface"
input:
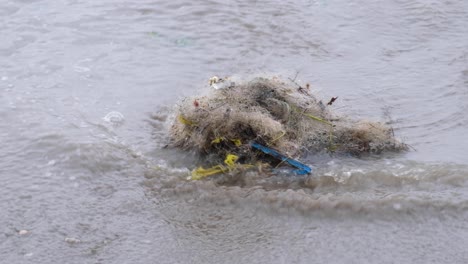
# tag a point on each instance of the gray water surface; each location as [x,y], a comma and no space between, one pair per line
[83,184]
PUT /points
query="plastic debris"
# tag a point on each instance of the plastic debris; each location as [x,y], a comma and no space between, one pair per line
[217,140]
[270,112]
[236,142]
[301,168]
[185,121]
[201,172]
[230,161]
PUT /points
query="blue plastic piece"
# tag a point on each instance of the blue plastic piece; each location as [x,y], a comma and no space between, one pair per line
[301,168]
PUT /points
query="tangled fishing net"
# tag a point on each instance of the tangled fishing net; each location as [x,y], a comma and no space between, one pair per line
[278,114]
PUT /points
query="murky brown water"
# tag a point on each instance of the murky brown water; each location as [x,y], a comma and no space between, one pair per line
[80,187]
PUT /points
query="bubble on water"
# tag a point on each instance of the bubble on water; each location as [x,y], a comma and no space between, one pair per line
[23,232]
[146,241]
[72,240]
[78,67]
[114,118]
[81,69]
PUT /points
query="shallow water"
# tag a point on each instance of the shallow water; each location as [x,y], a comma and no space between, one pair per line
[89,187]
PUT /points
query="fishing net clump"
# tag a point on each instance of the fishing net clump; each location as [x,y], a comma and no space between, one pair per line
[275,113]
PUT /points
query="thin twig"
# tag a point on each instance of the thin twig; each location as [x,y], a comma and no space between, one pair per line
[297,73]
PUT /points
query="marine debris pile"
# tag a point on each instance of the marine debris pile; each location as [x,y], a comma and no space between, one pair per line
[239,126]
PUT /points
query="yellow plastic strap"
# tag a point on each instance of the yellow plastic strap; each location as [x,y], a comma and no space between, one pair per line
[313,117]
[280,136]
[231,160]
[217,140]
[236,142]
[318,119]
[185,121]
[200,172]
